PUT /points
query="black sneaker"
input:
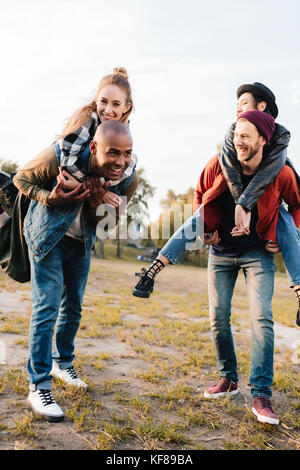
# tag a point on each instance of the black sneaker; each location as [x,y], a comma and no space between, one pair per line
[145,285]
[297,292]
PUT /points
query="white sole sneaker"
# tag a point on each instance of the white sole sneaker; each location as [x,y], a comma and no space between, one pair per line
[264,419]
[43,404]
[68,376]
[221,394]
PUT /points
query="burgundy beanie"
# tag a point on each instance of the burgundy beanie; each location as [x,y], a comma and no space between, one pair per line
[265,123]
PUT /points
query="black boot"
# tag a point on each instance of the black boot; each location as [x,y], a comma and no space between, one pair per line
[297,292]
[145,285]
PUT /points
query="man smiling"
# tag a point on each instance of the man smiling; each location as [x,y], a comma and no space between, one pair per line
[257,96]
[231,252]
[111,149]
[60,230]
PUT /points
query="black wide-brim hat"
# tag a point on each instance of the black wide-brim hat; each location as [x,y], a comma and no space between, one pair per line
[263,92]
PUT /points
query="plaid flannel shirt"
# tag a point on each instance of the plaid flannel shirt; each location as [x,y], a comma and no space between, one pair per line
[71,146]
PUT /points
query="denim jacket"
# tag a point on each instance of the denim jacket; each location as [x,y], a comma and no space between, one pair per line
[44,226]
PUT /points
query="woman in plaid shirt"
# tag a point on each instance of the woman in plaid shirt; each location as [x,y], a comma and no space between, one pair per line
[113,101]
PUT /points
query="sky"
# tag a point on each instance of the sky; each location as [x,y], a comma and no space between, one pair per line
[185,61]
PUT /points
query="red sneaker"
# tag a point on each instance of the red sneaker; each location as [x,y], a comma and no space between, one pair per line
[263,410]
[223,388]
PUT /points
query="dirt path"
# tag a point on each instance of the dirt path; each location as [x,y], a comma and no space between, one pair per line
[19,303]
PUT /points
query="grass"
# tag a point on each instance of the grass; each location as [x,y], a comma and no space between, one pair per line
[146,390]
[15,325]
[2,384]
[16,380]
[128,253]
[25,427]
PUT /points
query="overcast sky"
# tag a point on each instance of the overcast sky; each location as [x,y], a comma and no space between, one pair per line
[185,60]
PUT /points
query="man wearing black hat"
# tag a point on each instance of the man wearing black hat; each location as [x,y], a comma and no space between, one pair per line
[258,96]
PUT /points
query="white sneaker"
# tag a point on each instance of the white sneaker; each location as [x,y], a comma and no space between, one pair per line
[43,403]
[67,375]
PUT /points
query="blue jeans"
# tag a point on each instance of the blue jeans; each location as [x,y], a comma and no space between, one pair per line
[288,239]
[58,283]
[287,236]
[258,269]
[184,238]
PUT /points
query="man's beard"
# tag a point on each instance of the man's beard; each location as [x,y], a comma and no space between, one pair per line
[252,154]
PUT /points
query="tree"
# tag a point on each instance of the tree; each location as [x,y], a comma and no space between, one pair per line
[176,208]
[8,166]
[173,215]
[136,212]
[137,209]
[142,195]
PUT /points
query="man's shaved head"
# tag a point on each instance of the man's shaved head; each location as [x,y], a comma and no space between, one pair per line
[111,127]
[111,149]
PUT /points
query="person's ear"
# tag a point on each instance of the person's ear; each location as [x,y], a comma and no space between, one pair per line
[262,106]
[128,106]
[93,147]
[263,140]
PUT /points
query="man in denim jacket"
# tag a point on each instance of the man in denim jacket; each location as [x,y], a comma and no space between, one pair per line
[60,230]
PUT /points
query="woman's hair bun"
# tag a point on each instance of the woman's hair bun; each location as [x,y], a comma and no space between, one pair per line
[121,71]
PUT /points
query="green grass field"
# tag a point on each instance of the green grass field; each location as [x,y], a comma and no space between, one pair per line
[147,364]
